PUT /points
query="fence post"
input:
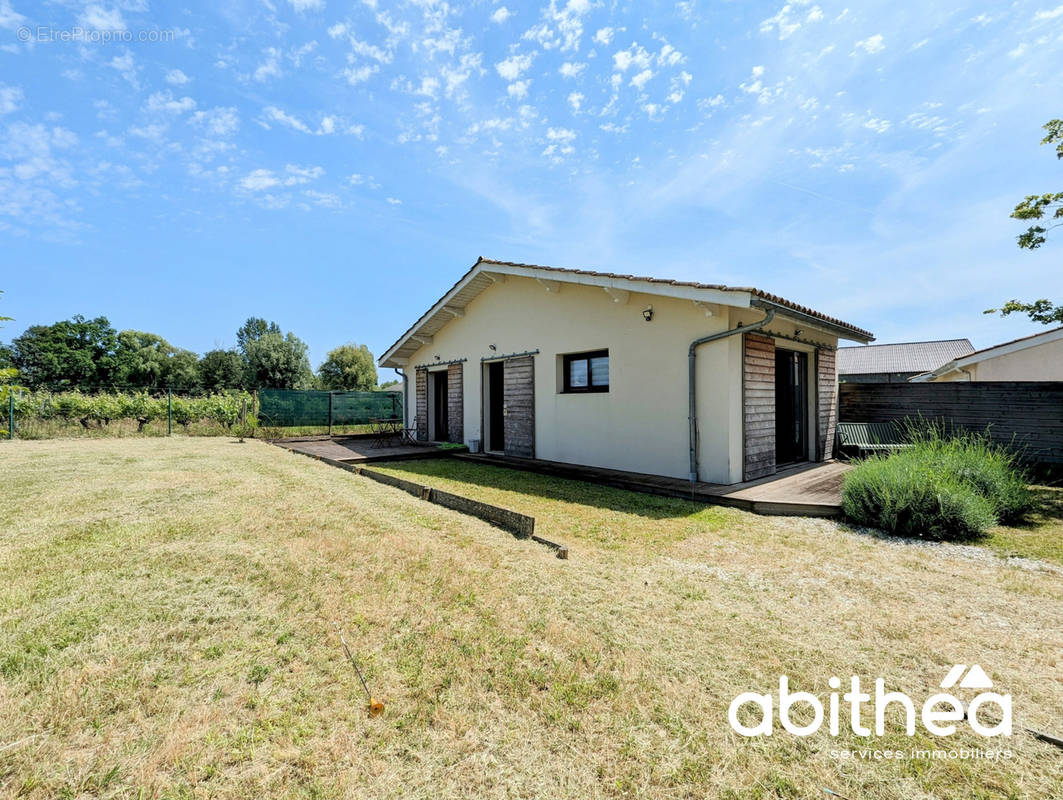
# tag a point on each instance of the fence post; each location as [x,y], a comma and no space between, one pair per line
[330,413]
[169,412]
[10,413]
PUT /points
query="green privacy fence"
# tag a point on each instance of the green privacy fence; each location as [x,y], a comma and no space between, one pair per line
[288,408]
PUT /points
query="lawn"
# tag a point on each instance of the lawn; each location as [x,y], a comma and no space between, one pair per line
[616,519]
[166,631]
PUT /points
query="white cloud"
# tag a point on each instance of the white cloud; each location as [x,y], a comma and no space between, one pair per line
[572,69]
[98,18]
[296,54]
[30,146]
[501,15]
[9,18]
[337,30]
[633,56]
[165,102]
[177,78]
[126,67]
[10,98]
[307,5]
[1048,14]
[394,201]
[563,135]
[575,100]
[356,75]
[642,78]
[259,180]
[274,114]
[429,87]
[871,45]
[711,102]
[219,121]
[328,125]
[323,199]
[604,35]
[518,89]
[877,125]
[270,68]
[677,87]
[755,86]
[669,56]
[299,175]
[367,50]
[782,21]
[455,77]
[514,66]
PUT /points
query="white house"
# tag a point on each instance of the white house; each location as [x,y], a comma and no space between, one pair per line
[1032,358]
[688,380]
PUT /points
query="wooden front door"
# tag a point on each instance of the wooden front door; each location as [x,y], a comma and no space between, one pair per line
[518,407]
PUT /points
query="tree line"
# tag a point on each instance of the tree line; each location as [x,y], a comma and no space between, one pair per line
[81,353]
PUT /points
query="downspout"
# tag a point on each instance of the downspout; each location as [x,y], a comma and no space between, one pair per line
[691,362]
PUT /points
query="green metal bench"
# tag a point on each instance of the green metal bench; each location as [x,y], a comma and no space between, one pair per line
[865,438]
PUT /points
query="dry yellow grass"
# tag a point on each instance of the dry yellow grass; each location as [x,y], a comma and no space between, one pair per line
[165,631]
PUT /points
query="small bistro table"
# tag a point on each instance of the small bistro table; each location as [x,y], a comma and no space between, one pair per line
[387,431]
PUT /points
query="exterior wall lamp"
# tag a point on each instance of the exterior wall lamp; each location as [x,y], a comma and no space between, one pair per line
[647,313]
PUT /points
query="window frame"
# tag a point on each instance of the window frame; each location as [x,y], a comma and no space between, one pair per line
[590,388]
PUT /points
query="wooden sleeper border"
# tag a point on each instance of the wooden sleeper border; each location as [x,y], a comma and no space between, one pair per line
[521,526]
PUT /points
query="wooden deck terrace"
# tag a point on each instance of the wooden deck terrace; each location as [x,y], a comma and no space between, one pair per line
[358,449]
[807,490]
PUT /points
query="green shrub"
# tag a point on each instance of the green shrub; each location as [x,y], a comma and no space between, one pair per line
[942,487]
[973,458]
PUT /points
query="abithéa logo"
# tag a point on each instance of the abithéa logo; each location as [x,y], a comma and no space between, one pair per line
[939,713]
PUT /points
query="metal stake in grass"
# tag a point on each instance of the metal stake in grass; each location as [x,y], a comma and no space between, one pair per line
[374,707]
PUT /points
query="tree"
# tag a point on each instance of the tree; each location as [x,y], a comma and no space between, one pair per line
[69,354]
[1039,207]
[222,369]
[278,362]
[147,360]
[349,367]
[253,330]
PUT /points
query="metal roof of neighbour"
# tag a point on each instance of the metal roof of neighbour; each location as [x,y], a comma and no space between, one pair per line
[900,357]
[1004,348]
[477,279]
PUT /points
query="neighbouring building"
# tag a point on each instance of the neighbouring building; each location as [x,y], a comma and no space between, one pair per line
[897,363]
[681,379]
[1032,358]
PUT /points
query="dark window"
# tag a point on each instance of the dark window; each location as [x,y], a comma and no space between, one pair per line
[586,372]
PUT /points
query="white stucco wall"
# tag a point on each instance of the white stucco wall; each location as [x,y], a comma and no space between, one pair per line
[1041,363]
[640,424]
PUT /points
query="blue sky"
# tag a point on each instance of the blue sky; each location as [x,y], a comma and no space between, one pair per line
[336,166]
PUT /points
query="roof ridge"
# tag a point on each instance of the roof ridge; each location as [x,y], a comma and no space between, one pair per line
[902,344]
